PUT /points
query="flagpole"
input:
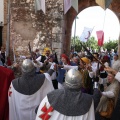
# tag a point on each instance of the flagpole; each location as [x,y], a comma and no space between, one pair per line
[74,34]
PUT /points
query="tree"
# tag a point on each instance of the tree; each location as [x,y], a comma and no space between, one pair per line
[111,44]
[75,43]
[91,43]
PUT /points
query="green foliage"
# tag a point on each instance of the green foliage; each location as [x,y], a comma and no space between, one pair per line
[76,44]
[111,44]
[92,43]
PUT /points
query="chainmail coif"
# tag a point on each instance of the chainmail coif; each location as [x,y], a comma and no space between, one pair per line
[29,83]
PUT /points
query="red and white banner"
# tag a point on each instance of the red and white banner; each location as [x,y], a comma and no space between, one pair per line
[40,5]
[86,34]
[70,3]
[100,36]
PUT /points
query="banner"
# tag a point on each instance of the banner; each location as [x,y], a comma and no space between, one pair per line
[107,3]
[86,34]
[40,5]
[75,4]
[70,3]
[67,5]
[100,36]
[104,3]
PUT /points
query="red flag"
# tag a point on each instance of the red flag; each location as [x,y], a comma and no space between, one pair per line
[100,36]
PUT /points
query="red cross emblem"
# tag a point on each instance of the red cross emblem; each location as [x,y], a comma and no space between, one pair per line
[9,92]
[46,112]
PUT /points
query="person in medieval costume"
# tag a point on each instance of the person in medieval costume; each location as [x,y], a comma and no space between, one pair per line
[116,62]
[6,76]
[51,60]
[61,71]
[108,100]
[1,63]
[95,64]
[116,112]
[44,59]
[25,93]
[103,73]
[68,103]
[86,71]
[37,53]
[87,75]
[3,53]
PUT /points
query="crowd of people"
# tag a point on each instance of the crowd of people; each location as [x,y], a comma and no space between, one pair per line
[81,86]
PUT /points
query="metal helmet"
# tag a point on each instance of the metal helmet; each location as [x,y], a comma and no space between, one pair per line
[27,65]
[73,79]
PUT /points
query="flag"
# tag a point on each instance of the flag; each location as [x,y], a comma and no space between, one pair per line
[70,3]
[107,3]
[104,3]
[86,34]
[40,5]
[100,36]
[75,4]
[67,5]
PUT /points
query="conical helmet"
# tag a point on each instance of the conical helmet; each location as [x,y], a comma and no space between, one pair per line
[73,79]
[27,65]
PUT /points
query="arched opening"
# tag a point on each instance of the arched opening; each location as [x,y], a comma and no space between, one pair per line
[97,19]
[71,14]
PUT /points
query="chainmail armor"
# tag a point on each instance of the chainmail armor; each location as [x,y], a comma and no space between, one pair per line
[70,102]
[29,83]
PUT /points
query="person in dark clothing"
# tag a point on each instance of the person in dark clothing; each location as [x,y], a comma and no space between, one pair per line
[3,54]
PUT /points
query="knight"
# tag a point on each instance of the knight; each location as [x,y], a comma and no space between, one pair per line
[26,92]
[68,103]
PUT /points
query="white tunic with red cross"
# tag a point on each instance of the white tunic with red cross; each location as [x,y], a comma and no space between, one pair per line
[22,107]
[47,112]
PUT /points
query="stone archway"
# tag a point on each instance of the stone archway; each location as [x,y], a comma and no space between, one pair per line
[71,14]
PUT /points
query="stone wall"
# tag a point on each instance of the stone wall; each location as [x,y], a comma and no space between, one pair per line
[5,24]
[41,30]
[52,29]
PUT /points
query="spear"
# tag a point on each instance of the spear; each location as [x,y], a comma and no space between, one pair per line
[92,55]
[30,51]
